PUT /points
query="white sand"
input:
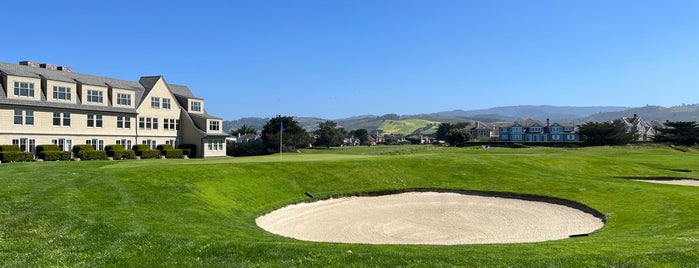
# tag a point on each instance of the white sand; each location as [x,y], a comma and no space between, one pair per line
[428,218]
[674,182]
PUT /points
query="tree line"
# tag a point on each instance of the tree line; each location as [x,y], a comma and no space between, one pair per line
[286,134]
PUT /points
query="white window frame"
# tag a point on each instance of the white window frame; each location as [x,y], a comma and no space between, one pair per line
[62,93]
[196,106]
[124,99]
[24,89]
[95,96]
[155,102]
[167,104]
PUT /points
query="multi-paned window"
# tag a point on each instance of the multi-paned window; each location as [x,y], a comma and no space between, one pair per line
[94,96]
[169,124]
[97,144]
[123,122]
[215,145]
[61,93]
[24,117]
[155,102]
[126,143]
[171,142]
[214,125]
[166,103]
[61,119]
[24,89]
[150,142]
[25,144]
[64,144]
[196,106]
[94,120]
[124,99]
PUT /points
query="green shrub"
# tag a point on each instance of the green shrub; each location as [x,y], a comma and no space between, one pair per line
[189,150]
[162,147]
[247,149]
[82,147]
[144,151]
[92,155]
[114,147]
[173,153]
[15,156]
[148,153]
[47,147]
[9,148]
[54,155]
[121,154]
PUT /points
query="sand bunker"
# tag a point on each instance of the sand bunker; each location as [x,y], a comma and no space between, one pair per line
[428,218]
[686,182]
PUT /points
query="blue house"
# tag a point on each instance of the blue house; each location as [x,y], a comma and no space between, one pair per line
[531,130]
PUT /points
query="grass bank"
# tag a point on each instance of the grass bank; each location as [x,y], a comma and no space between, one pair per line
[202,212]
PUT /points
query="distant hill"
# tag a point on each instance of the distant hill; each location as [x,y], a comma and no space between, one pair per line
[538,112]
[427,123]
[648,113]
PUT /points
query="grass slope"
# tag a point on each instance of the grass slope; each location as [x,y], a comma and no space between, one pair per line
[408,126]
[197,212]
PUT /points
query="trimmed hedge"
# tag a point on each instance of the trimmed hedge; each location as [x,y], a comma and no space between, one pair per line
[51,152]
[82,147]
[189,150]
[162,147]
[144,151]
[92,155]
[123,154]
[9,148]
[47,147]
[173,153]
[117,151]
[15,156]
[54,155]
[114,147]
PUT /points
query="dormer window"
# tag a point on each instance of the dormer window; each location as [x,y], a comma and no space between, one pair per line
[214,126]
[23,89]
[94,96]
[61,93]
[124,99]
[196,106]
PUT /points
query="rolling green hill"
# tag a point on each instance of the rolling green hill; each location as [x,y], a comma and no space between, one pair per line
[408,126]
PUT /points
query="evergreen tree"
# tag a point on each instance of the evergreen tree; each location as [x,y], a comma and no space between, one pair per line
[294,136]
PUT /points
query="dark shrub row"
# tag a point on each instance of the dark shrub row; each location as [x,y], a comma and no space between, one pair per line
[11,153]
[169,152]
[144,151]
[117,151]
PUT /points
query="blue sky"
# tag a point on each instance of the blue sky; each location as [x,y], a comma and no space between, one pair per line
[336,59]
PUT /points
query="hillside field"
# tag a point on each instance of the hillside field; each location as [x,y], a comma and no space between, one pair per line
[201,212]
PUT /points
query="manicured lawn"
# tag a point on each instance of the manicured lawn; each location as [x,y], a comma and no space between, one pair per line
[195,212]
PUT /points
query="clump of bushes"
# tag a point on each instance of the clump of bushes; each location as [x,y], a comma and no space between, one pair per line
[117,151]
[247,149]
[169,152]
[51,152]
[11,153]
[87,152]
[190,150]
[144,151]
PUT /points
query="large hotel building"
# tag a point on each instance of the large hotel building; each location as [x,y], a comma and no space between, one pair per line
[49,104]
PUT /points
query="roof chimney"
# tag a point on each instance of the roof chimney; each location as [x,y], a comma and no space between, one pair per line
[29,63]
[65,69]
[48,66]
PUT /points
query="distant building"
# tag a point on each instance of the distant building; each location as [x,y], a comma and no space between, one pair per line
[643,130]
[531,130]
[483,132]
